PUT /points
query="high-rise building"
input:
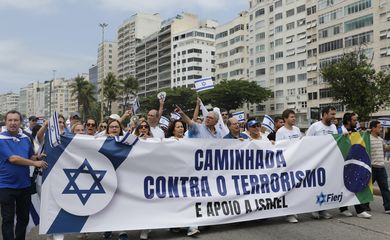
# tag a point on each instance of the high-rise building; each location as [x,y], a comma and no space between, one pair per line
[193,55]
[231,45]
[291,40]
[155,53]
[93,78]
[32,99]
[130,33]
[107,60]
[8,102]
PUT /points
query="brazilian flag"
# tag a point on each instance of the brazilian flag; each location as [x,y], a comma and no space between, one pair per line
[356,150]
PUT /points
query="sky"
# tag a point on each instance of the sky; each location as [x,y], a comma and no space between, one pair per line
[39,36]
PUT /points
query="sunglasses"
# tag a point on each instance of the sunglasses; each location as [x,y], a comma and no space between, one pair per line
[256,125]
[91,124]
[144,126]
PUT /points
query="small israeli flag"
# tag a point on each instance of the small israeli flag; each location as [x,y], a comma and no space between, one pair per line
[203,109]
[54,131]
[358,128]
[135,105]
[203,84]
[268,123]
[164,122]
[128,139]
[240,116]
[385,122]
[175,116]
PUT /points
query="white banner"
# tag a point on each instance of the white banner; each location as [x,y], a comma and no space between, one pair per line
[97,185]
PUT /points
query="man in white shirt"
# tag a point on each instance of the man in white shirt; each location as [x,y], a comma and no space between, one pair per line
[288,131]
[321,128]
[291,133]
[153,120]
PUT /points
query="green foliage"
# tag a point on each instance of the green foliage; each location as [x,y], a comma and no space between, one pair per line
[84,92]
[184,97]
[354,82]
[110,88]
[233,94]
[128,87]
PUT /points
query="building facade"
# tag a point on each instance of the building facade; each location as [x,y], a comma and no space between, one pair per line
[130,33]
[32,99]
[8,102]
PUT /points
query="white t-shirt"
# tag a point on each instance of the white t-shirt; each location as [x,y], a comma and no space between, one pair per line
[285,134]
[157,132]
[320,129]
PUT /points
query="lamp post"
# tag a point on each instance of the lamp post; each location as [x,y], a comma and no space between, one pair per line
[103,26]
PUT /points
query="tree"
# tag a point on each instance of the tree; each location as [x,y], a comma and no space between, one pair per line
[84,92]
[233,94]
[128,87]
[354,82]
[110,88]
[184,97]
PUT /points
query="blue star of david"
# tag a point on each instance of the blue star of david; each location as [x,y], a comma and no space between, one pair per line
[84,194]
[203,83]
[321,199]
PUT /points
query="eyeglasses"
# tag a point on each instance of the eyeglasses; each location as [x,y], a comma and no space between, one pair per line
[144,126]
[91,124]
[114,126]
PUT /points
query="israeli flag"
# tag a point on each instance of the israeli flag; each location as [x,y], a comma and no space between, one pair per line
[135,105]
[240,116]
[175,116]
[127,139]
[54,131]
[268,123]
[164,122]
[385,122]
[203,109]
[221,127]
[203,84]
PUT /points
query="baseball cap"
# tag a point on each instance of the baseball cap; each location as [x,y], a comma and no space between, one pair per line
[32,118]
[75,114]
[251,123]
[115,116]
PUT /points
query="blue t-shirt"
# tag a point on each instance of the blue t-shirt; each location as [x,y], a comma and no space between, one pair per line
[12,175]
[230,136]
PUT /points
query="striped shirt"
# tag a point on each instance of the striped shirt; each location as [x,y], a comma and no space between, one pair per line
[377,153]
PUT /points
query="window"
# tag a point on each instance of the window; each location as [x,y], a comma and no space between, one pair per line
[330,46]
[291,79]
[279,93]
[260,72]
[259,48]
[301,8]
[290,25]
[259,24]
[301,63]
[302,91]
[279,67]
[330,31]
[278,16]
[221,35]
[302,77]
[301,22]
[357,6]
[278,42]
[291,92]
[259,12]
[326,3]
[302,104]
[325,93]
[290,65]
[260,36]
[358,39]
[311,10]
[312,96]
[279,106]
[279,80]
[279,29]
[260,60]
[358,23]
[278,3]
[290,12]
[279,54]
[330,16]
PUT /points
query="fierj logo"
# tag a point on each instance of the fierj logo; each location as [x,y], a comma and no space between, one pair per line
[324,199]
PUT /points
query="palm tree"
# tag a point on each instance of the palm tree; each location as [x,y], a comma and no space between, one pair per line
[128,87]
[84,92]
[110,88]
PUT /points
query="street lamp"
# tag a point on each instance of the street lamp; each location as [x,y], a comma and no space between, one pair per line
[103,26]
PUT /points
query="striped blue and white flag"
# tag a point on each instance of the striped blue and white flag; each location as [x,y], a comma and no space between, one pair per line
[268,123]
[203,109]
[240,116]
[135,105]
[203,84]
[358,128]
[385,122]
[175,116]
[164,122]
[54,131]
[128,139]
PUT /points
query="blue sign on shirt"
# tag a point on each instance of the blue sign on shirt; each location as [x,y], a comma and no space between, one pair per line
[12,175]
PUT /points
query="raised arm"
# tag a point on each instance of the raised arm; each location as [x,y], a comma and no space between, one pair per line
[196,111]
[41,132]
[184,116]
[160,109]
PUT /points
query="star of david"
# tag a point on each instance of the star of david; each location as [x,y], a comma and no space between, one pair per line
[84,194]
[203,83]
[320,199]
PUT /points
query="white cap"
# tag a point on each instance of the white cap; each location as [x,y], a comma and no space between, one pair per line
[115,116]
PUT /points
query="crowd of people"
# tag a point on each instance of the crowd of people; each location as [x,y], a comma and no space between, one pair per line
[19,149]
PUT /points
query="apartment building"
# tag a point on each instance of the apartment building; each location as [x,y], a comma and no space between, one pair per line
[8,102]
[130,33]
[107,60]
[193,55]
[32,99]
[231,45]
[155,53]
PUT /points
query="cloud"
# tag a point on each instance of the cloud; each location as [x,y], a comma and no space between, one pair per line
[21,64]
